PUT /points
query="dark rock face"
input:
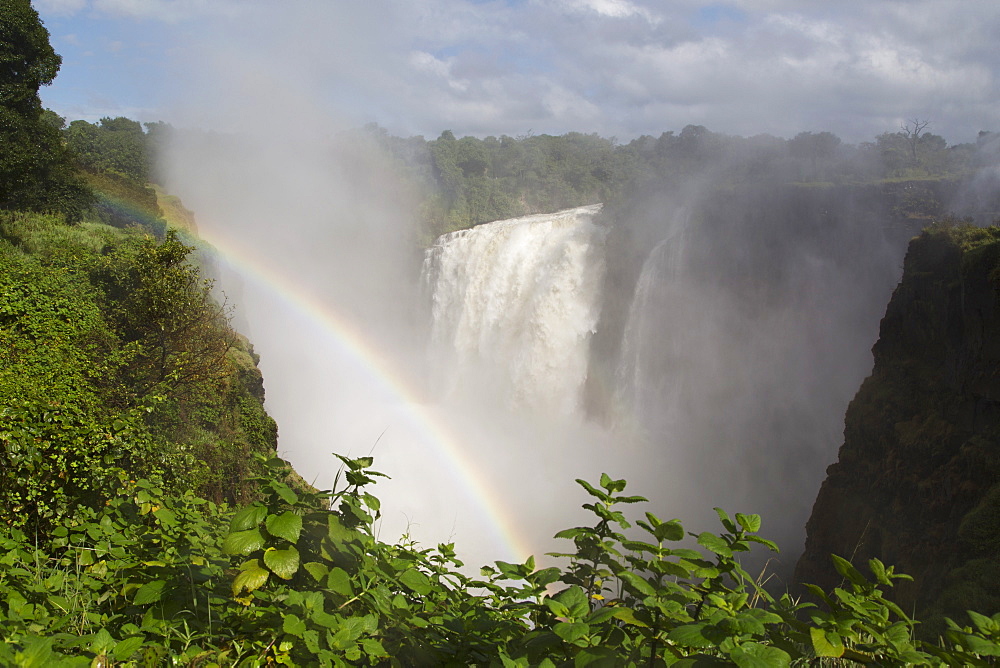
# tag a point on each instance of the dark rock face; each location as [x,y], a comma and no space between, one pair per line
[917,483]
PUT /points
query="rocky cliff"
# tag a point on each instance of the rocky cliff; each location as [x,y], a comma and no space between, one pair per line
[917,482]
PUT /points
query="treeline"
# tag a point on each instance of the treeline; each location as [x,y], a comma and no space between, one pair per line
[467,181]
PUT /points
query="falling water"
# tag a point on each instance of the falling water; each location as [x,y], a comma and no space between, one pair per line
[514,304]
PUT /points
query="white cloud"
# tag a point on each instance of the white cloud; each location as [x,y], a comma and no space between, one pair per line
[168,10]
[60,7]
[621,67]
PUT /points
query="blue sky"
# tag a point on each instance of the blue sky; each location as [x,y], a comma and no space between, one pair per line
[617,67]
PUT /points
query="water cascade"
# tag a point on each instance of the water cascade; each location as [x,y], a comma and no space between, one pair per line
[514,304]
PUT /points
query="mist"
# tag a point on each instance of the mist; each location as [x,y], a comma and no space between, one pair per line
[731,332]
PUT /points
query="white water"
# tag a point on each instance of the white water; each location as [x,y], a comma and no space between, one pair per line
[514,304]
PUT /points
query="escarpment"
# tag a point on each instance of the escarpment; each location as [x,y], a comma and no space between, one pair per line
[917,482]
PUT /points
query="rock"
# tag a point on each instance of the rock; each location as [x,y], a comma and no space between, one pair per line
[917,483]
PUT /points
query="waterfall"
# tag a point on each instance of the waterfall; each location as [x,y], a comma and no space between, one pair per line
[513,306]
[648,378]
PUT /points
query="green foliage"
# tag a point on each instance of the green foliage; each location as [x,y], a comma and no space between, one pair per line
[115,145]
[35,169]
[116,363]
[466,181]
[154,578]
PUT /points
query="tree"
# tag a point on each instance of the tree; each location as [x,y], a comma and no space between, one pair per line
[911,131]
[35,169]
[174,336]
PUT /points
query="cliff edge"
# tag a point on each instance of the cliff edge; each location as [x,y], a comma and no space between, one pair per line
[917,482]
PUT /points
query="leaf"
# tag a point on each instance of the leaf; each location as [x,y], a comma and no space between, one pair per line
[37,653]
[243,542]
[416,581]
[373,647]
[690,635]
[714,543]
[570,631]
[248,518]
[755,655]
[750,523]
[985,624]
[102,641]
[166,516]
[283,563]
[287,525]
[826,643]
[593,491]
[285,492]
[637,582]
[575,599]
[151,592]
[252,577]
[627,615]
[845,568]
[317,570]
[127,647]
[671,530]
[292,625]
[340,582]
[724,518]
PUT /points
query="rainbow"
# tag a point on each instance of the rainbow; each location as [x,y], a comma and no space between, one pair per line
[351,340]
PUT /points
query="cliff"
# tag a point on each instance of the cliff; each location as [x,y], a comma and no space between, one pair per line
[917,482]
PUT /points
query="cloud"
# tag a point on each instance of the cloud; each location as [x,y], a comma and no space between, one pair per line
[617,67]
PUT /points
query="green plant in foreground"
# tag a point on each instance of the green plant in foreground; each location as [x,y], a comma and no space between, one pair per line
[298,578]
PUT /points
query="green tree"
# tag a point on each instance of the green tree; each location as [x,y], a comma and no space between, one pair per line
[35,169]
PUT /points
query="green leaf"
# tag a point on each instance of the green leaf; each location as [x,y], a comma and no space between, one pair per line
[102,641]
[690,635]
[826,643]
[671,530]
[845,568]
[627,615]
[283,563]
[750,523]
[287,525]
[986,625]
[373,647]
[570,631]
[340,582]
[127,647]
[637,582]
[243,542]
[37,653]
[285,492]
[317,570]
[292,625]
[714,544]
[755,655]
[248,518]
[251,577]
[166,516]
[416,581]
[151,592]
[724,518]
[575,599]
[593,491]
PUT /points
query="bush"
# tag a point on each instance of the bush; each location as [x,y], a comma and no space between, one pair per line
[154,578]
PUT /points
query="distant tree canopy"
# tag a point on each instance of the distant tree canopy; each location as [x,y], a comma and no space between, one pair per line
[35,169]
[467,181]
